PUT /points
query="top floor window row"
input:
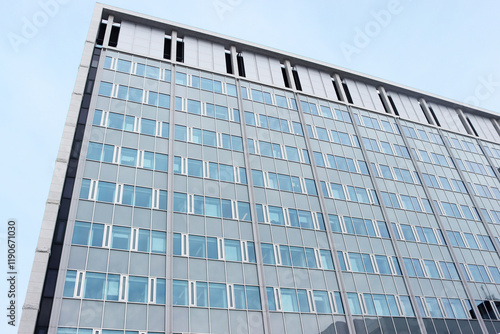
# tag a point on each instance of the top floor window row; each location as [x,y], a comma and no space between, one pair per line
[135,68]
[324,111]
[134,94]
[207,84]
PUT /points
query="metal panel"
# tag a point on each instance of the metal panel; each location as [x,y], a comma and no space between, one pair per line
[190,51]
[263,69]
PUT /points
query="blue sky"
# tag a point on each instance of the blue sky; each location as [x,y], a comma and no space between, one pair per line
[449,48]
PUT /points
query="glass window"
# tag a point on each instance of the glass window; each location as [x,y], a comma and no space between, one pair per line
[289,300]
[433,307]
[232,250]
[381,305]
[81,233]
[137,289]
[94,285]
[383,264]
[270,299]
[276,215]
[431,269]
[217,295]
[180,202]
[298,257]
[113,287]
[267,253]
[158,242]
[354,305]
[97,235]
[197,246]
[143,197]
[69,283]
[120,237]
[180,293]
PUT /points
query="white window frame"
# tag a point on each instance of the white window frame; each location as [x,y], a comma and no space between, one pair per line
[79,284]
[192,293]
[310,298]
[230,296]
[277,254]
[123,290]
[134,238]
[277,299]
[156,198]
[221,253]
[119,193]
[234,209]
[152,290]
[106,238]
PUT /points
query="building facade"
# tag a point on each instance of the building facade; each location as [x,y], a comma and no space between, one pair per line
[209,185]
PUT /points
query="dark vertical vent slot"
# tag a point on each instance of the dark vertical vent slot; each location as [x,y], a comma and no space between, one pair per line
[336,90]
[383,104]
[296,79]
[241,65]
[113,38]
[393,105]
[347,92]
[229,62]
[180,50]
[425,114]
[100,33]
[472,126]
[285,76]
[50,281]
[434,116]
[167,47]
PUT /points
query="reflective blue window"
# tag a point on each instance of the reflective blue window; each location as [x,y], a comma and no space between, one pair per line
[158,242]
[289,300]
[120,237]
[267,253]
[69,283]
[232,250]
[180,293]
[113,287]
[81,233]
[94,285]
[217,295]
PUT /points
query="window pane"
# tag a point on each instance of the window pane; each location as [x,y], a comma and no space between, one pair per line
[158,242]
[289,300]
[81,233]
[113,287]
[94,285]
[106,191]
[232,250]
[217,294]
[120,237]
[180,293]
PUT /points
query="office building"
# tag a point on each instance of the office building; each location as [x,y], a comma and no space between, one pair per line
[210,185]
